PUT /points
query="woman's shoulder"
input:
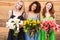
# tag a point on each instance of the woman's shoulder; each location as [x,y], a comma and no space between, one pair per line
[10,11]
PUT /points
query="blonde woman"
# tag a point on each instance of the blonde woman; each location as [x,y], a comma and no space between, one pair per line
[18,12]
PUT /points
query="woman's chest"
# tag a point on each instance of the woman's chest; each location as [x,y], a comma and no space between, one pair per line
[17,13]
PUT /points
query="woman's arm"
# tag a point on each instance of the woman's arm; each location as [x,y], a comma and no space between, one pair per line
[39,16]
[10,13]
[54,18]
[25,16]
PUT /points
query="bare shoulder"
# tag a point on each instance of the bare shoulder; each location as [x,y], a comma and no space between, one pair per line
[10,11]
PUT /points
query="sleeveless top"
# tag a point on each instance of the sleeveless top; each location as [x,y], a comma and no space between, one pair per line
[19,17]
[33,18]
[47,18]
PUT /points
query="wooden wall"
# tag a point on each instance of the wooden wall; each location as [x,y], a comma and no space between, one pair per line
[6,5]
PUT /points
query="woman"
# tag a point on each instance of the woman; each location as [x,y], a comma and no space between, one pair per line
[48,14]
[34,10]
[18,12]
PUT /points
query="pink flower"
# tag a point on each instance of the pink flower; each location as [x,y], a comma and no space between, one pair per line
[41,25]
[46,28]
[52,25]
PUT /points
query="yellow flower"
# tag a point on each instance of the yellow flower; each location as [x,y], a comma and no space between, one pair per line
[25,22]
[30,24]
[34,21]
[34,24]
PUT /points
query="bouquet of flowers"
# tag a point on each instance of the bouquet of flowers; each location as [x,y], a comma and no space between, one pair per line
[14,24]
[49,25]
[31,26]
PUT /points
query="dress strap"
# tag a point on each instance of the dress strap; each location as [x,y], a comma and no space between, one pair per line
[12,16]
[12,12]
[22,13]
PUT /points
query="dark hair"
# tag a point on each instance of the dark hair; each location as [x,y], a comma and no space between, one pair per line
[38,8]
[51,10]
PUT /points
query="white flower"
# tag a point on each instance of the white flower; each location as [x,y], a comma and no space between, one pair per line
[12,26]
[7,24]
[21,22]
[10,20]
[17,21]
[12,23]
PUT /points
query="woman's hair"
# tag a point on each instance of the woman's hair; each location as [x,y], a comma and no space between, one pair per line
[19,3]
[38,8]
[51,11]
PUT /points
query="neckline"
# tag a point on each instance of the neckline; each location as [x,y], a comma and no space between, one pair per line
[16,13]
[31,16]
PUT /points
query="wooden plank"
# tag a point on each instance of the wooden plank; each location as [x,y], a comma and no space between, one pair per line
[31,0]
[4,12]
[6,3]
